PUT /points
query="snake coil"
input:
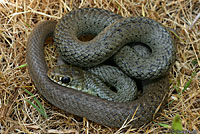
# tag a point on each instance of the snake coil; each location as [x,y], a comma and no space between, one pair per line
[98,110]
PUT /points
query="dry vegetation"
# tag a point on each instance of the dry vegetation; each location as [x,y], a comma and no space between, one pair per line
[17,19]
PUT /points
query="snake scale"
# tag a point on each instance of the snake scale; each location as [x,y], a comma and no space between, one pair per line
[115,33]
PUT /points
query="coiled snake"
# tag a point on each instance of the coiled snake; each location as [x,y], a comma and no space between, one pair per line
[112,33]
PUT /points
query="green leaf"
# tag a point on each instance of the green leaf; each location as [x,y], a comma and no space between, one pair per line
[164,125]
[22,66]
[35,99]
[189,82]
[40,109]
[177,90]
[194,62]
[176,124]
[174,32]
[177,87]
[43,113]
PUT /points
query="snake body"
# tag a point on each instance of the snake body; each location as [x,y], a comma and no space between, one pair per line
[96,109]
[112,33]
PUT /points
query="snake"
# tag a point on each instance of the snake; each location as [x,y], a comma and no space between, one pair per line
[93,81]
[112,33]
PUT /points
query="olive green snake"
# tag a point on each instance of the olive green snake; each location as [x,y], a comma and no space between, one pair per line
[117,31]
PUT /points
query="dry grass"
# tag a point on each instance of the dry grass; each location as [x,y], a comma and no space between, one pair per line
[17,19]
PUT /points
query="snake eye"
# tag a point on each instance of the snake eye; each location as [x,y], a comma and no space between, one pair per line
[65,79]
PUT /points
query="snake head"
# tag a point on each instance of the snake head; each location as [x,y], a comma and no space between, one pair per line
[68,76]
